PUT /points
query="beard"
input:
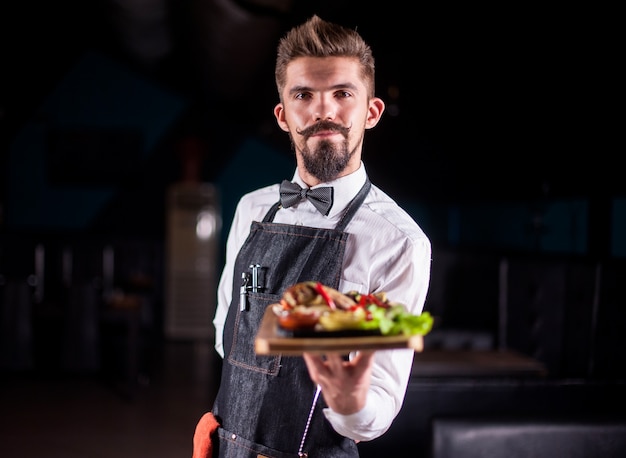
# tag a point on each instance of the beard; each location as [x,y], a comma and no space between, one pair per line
[327,160]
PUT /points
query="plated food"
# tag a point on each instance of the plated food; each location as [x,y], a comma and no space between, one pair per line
[311,308]
[314,318]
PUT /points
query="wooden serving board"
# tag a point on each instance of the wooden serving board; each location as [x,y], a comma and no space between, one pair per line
[269,341]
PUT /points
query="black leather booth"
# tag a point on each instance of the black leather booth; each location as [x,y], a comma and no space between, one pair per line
[475,437]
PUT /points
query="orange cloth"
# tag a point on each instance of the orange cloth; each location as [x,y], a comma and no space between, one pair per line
[202,445]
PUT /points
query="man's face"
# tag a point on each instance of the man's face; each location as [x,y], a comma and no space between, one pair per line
[325,109]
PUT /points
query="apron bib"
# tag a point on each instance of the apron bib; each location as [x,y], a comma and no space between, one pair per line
[264,401]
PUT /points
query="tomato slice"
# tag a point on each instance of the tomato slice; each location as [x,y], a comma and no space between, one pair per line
[295,320]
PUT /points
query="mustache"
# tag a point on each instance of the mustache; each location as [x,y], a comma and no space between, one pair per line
[323,125]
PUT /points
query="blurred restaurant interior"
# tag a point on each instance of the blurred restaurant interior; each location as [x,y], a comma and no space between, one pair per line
[129,130]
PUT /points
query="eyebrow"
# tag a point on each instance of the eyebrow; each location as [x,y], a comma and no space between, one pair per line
[335,87]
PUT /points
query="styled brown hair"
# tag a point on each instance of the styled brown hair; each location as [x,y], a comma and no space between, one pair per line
[319,38]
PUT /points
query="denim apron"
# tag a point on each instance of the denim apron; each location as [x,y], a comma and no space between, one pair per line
[264,401]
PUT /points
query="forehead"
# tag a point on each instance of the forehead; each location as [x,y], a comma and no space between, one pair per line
[321,73]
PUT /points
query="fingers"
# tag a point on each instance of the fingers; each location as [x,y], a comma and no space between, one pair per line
[314,364]
[363,359]
[335,363]
[344,384]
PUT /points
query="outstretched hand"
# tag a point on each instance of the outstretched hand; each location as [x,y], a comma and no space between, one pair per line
[344,383]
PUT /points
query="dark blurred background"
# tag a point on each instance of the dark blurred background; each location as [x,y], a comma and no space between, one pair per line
[484,105]
[129,129]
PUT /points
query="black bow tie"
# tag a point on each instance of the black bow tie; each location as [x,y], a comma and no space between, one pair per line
[292,193]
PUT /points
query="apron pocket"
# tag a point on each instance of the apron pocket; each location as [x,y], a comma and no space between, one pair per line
[234,446]
[247,323]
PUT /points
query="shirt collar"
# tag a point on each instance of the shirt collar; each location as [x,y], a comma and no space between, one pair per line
[345,188]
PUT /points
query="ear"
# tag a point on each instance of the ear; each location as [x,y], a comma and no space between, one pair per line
[374,112]
[279,113]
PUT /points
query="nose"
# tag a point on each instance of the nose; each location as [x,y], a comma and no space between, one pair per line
[325,109]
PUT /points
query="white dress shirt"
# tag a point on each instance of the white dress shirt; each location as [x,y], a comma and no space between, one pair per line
[386,251]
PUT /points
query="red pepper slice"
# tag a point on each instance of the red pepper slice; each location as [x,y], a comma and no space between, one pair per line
[320,289]
[377,301]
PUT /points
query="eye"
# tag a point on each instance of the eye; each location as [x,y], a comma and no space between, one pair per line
[302,95]
[343,94]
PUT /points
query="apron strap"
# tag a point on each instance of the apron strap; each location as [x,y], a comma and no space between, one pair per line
[353,206]
[269,217]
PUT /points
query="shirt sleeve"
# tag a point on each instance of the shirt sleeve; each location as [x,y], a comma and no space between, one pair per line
[390,376]
[392,368]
